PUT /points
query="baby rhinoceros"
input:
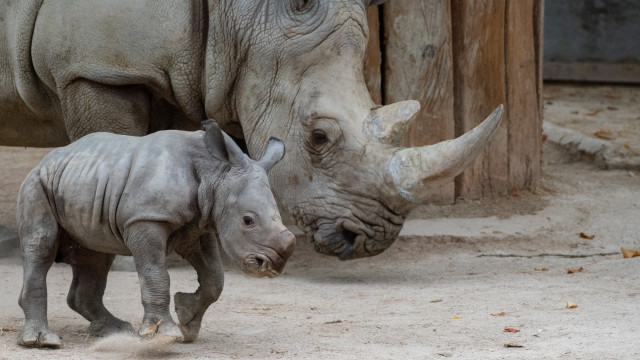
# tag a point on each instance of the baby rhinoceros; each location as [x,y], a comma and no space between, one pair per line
[108,194]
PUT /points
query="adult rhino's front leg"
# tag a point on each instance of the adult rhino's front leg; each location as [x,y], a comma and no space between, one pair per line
[191,307]
[148,242]
[90,107]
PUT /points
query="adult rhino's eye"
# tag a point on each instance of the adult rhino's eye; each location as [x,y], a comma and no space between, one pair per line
[318,137]
[248,221]
[301,5]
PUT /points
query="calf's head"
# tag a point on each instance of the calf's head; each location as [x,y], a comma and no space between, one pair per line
[345,181]
[246,215]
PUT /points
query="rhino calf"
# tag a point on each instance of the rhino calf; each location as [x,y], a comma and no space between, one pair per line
[108,194]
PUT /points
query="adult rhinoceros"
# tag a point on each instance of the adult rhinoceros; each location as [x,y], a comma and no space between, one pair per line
[289,68]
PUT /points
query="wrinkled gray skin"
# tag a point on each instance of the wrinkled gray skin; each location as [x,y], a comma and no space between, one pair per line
[108,194]
[291,68]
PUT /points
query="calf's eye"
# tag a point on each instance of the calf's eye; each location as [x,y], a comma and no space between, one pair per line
[248,221]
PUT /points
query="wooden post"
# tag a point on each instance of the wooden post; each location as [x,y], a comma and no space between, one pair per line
[461,59]
[419,66]
[480,86]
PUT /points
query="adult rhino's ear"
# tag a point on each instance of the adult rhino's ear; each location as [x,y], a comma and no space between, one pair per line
[273,154]
[214,140]
[220,145]
[375,2]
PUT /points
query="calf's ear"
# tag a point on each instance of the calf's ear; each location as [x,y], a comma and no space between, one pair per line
[273,154]
[214,140]
[221,146]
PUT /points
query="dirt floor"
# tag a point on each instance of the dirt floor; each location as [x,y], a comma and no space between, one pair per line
[457,278]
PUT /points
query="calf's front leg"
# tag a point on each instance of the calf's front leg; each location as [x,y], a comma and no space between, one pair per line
[148,242]
[191,307]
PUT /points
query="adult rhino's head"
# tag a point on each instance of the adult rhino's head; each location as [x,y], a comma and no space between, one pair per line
[344,180]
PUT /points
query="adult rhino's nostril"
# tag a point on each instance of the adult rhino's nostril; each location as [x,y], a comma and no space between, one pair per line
[349,237]
[259,262]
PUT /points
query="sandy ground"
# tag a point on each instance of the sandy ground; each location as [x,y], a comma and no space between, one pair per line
[600,123]
[610,113]
[430,296]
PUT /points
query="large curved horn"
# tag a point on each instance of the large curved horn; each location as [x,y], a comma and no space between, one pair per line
[413,169]
[388,124]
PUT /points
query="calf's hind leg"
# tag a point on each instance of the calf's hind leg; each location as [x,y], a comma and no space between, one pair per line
[90,270]
[38,231]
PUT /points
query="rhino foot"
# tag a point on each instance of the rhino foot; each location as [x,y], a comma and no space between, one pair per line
[164,328]
[108,327]
[190,330]
[187,307]
[38,336]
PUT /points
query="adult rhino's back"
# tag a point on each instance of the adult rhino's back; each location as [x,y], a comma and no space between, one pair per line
[29,115]
[73,67]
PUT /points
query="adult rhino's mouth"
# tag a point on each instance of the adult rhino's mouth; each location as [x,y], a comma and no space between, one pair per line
[347,242]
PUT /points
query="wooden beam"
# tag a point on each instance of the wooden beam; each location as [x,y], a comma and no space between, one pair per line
[523,108]
[373,57]
[538,23]
[419,66]
[478,29]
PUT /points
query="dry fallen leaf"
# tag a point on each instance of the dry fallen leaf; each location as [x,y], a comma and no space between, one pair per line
[454,317]
[612,108]
[513,345]
[507,329]
[585,236]
[514,192]
[541,269]
[629,253]
[571,305]
[548,97]
[604,134]
[7,329]
[592,112]
[499,314]
[153,328]
[626,146]
[544,137]
[574,112]
[574,270]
